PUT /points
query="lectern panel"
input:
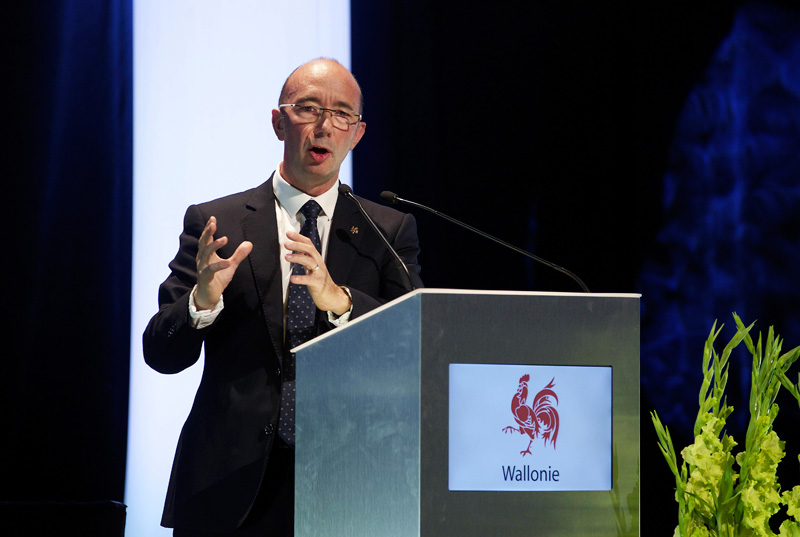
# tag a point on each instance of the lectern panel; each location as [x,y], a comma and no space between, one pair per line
[358,425]
[576,330]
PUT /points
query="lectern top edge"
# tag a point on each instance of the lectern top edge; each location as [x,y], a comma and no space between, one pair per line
[443,291]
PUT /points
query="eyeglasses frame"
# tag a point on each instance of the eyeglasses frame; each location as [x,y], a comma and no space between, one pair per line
[322,112]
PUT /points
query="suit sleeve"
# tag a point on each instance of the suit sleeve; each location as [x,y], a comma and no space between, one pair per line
[170,343]
[393,280]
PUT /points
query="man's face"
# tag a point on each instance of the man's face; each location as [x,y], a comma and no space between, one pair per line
[313,152]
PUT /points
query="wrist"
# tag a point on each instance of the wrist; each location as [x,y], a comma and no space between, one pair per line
[201,302]
[203,318]
[346,303]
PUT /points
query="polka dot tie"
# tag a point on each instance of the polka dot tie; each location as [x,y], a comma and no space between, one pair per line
[300,324]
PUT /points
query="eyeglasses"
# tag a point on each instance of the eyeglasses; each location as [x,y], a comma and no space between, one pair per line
[308,113]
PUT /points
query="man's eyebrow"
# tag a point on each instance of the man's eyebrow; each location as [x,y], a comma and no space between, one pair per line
[307,100]
[341,104]
[337,104]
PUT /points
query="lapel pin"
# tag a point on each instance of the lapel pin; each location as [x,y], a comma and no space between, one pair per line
[354,230]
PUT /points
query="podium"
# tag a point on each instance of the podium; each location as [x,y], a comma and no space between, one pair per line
[472,413]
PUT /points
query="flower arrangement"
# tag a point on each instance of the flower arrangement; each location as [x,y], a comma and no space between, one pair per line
[725,495]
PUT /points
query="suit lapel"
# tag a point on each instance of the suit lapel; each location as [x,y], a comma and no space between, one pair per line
[345,236]
[260,227]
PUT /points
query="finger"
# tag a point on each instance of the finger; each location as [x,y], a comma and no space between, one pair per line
[312,279]
[204,255]
[212,268]
[242,251]
[208,231]
[310,263]
[301,248]
[206,272]
[296,239]
[295,236]
[206,237]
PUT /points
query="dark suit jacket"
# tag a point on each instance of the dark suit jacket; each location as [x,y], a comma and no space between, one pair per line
[224,445]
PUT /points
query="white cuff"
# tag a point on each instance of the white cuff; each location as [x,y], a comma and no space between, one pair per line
[344,318]
[203,318]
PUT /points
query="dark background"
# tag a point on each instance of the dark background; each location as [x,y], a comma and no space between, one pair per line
[649,147]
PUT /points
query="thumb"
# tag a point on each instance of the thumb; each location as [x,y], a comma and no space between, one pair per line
[242,251]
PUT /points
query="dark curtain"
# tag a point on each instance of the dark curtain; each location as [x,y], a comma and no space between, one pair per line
[614,139]
[68,249]
[546,124]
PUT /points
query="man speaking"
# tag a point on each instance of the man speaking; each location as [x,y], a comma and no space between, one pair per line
[258,273]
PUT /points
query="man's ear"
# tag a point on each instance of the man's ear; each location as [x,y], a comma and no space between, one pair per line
[277,124]
[362,126]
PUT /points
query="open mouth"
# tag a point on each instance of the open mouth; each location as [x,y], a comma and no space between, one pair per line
[319,153]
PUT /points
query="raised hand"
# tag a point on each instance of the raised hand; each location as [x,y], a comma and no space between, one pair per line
[214,273]
[323,290]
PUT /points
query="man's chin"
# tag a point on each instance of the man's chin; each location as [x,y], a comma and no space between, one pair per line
[313,180]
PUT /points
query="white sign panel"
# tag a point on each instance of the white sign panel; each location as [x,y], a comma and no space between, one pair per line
[528,427]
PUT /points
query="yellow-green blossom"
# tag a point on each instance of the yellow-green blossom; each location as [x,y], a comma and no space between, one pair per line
[708,460]
[760,497]
[791,498]
[694,530]
[790,529]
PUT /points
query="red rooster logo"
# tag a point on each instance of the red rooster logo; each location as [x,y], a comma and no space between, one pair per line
[539,419]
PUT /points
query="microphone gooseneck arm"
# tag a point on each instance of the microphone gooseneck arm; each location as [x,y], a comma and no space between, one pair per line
[391,197]
[347,192]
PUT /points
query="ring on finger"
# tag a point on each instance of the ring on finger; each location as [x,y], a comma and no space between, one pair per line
[315,268]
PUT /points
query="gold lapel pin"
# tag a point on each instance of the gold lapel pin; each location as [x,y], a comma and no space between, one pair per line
[354,230]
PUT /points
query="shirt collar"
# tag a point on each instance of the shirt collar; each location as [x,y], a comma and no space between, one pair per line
[293,200]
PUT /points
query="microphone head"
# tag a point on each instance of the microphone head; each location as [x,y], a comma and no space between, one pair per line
[388,197]
[345,189]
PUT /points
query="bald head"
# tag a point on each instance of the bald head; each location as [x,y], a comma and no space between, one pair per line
[320,67]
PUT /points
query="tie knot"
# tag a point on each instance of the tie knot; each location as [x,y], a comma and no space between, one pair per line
[311,210]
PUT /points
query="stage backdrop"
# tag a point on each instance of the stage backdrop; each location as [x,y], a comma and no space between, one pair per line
[206,77]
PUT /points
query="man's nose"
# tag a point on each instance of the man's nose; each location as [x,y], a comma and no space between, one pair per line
[325,122]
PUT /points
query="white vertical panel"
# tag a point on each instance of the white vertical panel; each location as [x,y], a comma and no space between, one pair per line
[206,77]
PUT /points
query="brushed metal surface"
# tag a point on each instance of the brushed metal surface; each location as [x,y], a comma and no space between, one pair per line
[358,450]
[372,415]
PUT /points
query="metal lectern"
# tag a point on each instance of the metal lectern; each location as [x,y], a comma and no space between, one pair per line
[373,416]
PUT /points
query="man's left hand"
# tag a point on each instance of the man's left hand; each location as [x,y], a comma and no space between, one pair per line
[323,290]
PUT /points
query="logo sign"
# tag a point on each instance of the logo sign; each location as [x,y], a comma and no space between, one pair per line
[527,427]
[540,418]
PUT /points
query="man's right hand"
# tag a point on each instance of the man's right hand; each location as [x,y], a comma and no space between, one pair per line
[214,273]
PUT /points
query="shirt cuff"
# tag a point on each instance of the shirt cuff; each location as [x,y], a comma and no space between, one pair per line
[344,318]
[203,318]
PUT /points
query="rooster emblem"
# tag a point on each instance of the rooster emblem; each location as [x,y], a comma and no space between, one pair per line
[540,419]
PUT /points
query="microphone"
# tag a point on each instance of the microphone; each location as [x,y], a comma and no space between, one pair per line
[347,192]
[391,197]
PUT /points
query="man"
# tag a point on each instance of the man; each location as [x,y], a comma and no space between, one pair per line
[232,290]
